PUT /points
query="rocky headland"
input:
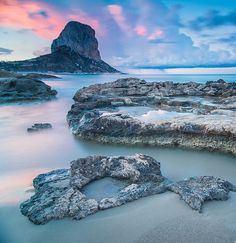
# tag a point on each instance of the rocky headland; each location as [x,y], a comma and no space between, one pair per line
[75,50]
[198,116]
[59,193]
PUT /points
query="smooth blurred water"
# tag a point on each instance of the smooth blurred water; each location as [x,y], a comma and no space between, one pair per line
[24,155]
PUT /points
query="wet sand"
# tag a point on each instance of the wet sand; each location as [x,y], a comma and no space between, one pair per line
[159,218]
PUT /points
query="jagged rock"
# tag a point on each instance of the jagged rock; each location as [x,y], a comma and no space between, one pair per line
[39,126]
[196,190]
[80,38]
[24,89]
[94,115]
[75,50]
[58,193]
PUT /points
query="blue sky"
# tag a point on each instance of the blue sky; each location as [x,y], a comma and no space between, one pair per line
[131,33]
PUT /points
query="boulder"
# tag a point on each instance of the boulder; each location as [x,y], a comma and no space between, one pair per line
[196,190]
[24,89]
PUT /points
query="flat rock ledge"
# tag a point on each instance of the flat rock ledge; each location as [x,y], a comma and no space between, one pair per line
[24,88]
[59,193]
[205,114]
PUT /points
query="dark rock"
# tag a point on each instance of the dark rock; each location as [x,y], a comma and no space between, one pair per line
[80,38]
[6,74]
[24,89]
[75,50]
[39,76]
[196,190]
[39,126]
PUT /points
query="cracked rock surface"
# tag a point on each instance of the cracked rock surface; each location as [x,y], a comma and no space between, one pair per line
[59,193]
[204,114]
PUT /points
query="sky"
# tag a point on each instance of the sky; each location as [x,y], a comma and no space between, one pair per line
[137,34]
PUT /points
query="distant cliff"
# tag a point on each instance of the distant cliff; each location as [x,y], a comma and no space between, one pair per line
[75,50]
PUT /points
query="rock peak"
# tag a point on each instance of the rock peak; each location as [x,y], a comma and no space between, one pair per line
[80,38]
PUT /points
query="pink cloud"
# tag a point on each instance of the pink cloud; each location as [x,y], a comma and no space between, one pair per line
[117,13]
[141,30]
[41,18]
[156,34]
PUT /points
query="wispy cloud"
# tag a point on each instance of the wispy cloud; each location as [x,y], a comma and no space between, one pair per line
[213,19]
[117,13]
[5,51]
[130,33]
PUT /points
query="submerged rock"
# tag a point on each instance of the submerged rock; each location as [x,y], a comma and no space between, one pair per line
[94,115]
[59,193]
[39,126]
[24,89]
[196,190]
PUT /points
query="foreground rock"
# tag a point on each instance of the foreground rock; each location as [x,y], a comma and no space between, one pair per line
[75,50]
[196,124]
[39,126]
[59,193]
[24,89]
[196,190]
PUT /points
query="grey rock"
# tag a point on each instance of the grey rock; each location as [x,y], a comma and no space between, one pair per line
[196,190]
[58,193]
[94,114]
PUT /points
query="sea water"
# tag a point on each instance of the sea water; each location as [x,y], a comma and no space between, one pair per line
[24,155]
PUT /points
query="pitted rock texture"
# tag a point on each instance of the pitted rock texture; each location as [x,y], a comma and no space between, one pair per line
[59,193]
[196,190]
[80,38]
[210,125]
[24,89]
